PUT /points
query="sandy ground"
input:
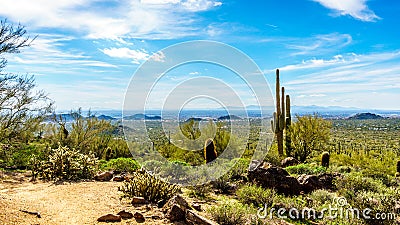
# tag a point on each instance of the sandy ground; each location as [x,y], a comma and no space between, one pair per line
[67,203]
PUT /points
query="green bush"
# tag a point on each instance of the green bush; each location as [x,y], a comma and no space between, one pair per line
[199,191]
[120,164]
[64,164]
[231,213]
[149,187]
[379,203]
[255,195]
[352,183]
[305,169]
[321,197]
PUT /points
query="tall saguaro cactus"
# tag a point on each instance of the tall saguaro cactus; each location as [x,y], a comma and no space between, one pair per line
[288,141]
[281,118]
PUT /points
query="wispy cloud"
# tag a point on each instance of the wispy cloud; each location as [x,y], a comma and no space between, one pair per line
[350,78]
[50,53]
[134,55]
[357,9]
[147,19]
[319,44]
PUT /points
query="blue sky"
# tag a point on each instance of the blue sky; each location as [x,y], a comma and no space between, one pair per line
[330,52]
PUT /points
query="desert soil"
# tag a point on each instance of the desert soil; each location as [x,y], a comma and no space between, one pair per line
[66,203]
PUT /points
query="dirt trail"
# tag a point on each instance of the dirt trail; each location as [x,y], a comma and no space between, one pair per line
[68,203]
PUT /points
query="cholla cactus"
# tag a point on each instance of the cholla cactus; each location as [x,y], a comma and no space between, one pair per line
[210,153]
[325,159]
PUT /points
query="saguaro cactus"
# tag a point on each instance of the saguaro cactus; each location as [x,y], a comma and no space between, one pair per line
[288,141]
[280,122]
[210,153]
[325,159]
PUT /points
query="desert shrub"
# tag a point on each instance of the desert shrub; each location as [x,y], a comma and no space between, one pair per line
[148,186]
[231,213]
[65,164]
[120,164]
[239,169]
[200,191]
[352,183]
[255,195]
[379,203]
[305,169]
[321,197]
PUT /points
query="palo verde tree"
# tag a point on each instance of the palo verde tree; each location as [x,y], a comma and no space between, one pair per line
[22,108]
[309,133]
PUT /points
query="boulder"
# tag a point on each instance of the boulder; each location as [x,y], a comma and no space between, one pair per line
[194,219]
[326,180]
[138,201]
[311,183]
[119,178]
[269,176]
[109,218]
[175,208]
[125,214]
[196,206]
[289,161]
[139,217]
[104,176]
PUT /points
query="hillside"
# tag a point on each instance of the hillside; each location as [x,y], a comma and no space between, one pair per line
[365,116]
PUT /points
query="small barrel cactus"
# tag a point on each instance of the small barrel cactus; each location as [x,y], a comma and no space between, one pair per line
[325,159]
[210,153]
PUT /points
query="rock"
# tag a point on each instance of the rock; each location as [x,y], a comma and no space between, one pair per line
[175,213]
[175,208]
[104,176]
[269,176]
[289,161]
[119,178]
[196,206]
[109,218]
[326,180]
[194,219]
[138,201]
[125,214]
[139,217]
[309,183]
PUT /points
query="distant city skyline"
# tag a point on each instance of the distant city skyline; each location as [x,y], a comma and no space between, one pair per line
[329,52]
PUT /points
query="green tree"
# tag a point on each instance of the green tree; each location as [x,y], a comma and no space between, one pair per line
[22,108]
[309,133]
[87,134]
[190,129]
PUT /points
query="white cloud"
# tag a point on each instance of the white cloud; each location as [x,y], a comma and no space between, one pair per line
[135,55]
[318,44]
[158,56]
[200,5]
[49,53]
[358,9]
[349,77]
[149,19]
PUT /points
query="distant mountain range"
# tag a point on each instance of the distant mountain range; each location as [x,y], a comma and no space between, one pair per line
[236,113]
